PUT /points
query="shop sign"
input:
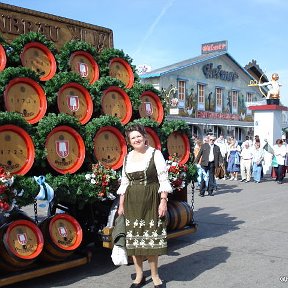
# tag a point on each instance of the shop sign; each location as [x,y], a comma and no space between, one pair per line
[218,73]
[214,47]
[215,115]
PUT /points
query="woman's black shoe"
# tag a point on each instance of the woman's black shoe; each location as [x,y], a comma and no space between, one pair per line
[138,285]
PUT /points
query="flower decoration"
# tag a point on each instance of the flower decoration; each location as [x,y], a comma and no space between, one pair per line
[106,181]
[177,173]
[7,194]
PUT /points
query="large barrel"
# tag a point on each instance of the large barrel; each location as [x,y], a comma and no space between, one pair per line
[3,58]
[25,96]
[17,150]
[83,63]
[40,59]
[153,138]
[121,69]
[178,144]
[179,215]
[63,235]
[116,102]
[151,107]
[75,100]
[65,149]
[21,242]
[110,147]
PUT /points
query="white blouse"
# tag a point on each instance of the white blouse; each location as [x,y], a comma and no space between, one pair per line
[134,166]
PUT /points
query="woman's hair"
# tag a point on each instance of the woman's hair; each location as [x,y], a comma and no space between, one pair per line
[279,141]
[134,127]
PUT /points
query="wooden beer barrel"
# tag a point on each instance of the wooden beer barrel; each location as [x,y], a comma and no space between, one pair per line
[3,58]
[116,102]
[25,96]
[179,214]
[110,147]
[21,242]
[153,138]
[40,59]
[65,149]
[84,64]
[17,150]
[75,100]
[178,144]
[120,69]
[63,235]
[151,107]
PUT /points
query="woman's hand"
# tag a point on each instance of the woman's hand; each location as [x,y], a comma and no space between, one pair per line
[120,210]
[162,210]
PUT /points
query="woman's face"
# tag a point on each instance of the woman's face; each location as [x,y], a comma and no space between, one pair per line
[136,140]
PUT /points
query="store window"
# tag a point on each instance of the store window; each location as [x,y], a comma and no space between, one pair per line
[181,93]
[201,96]
[249,100]
[235,95]
[219,96]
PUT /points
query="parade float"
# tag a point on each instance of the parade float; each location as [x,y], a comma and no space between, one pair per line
[66,96]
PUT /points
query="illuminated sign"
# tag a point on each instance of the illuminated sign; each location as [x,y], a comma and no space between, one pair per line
[214,47]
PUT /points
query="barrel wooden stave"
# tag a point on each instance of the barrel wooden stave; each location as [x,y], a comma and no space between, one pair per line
[179,215]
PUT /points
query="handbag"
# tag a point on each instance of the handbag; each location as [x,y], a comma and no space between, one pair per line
[219,172]
[119,255]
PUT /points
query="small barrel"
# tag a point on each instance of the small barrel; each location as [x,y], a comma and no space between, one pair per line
[179,215]
[17,150]
[116,102]
[65,149]
[75,100]
[21,242]
[3,58]
[110,147]
[40,59]
[151,107]
[63,235]
[85,65]
[153,138]
[178,144]
[25,96]
[121,70]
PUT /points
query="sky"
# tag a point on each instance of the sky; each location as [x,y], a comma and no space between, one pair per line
[163,32]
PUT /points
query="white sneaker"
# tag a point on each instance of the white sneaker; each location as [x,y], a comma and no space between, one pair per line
[235,179]
[231,178]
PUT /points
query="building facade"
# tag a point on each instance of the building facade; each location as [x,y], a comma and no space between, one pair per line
[211,93]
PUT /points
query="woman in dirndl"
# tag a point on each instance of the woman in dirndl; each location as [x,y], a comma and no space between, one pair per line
[143,201]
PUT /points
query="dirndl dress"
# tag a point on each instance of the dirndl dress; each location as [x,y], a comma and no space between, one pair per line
[146,233]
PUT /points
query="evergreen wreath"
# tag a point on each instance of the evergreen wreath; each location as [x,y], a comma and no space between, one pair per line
[10,73]
[17,45]
[108,54]
[45,126]
[53,86]
[63,57]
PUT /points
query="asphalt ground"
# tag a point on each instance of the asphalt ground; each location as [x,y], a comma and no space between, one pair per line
[241,241]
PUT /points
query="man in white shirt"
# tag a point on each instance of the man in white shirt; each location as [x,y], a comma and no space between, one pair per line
[246,162]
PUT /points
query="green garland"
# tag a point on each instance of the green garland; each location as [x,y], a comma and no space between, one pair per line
[53,85]
[70,47]
[18,44]
[27,189]
[109,53]
[181,126]
[45,126]
[10,73]
[17,120]
[94,125]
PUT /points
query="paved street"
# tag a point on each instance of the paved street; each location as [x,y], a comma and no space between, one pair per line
[242,241]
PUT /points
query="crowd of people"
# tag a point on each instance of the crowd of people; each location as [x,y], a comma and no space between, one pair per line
[238,162]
